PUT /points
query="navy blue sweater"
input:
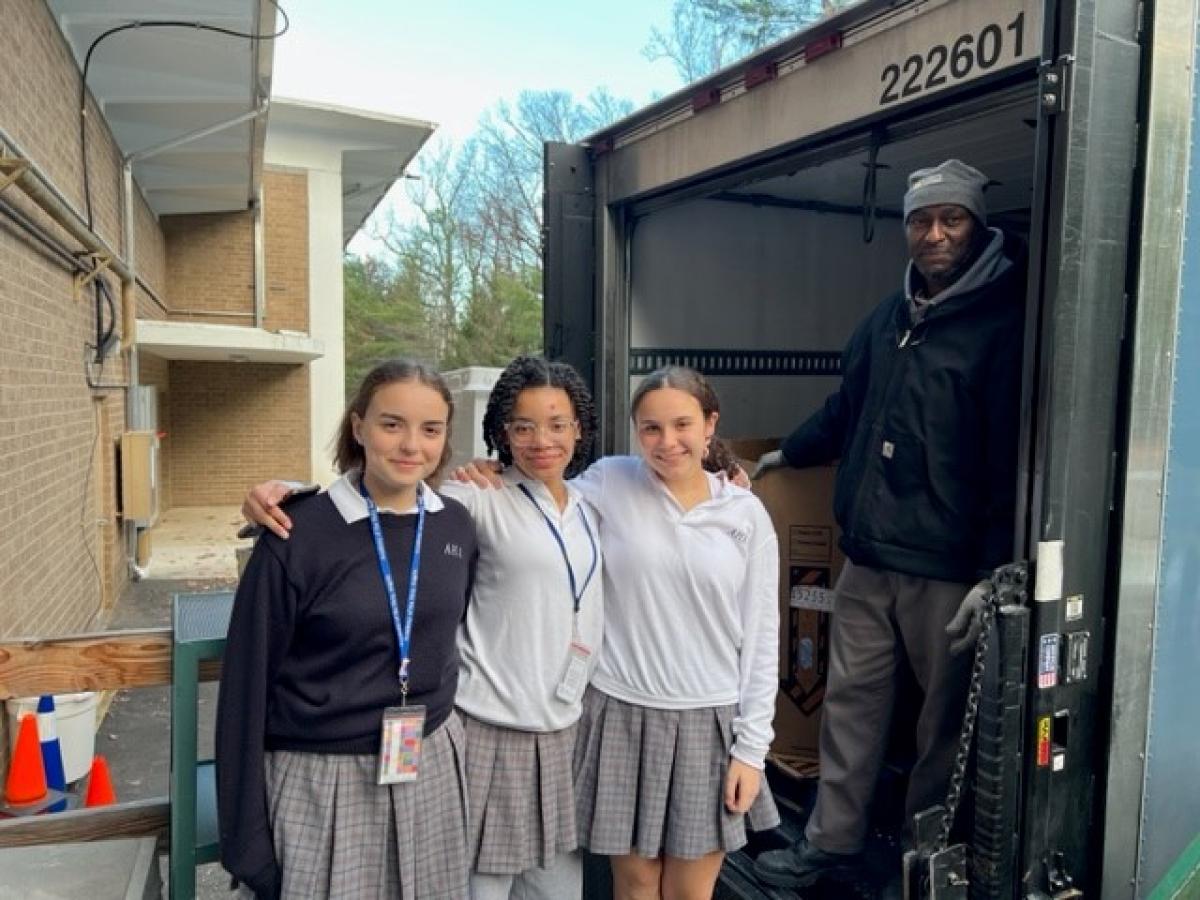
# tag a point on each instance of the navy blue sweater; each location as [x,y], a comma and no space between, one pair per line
[311,659]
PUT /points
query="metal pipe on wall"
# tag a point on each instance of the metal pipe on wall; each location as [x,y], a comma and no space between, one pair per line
[260,263]
[128,298]
[44,238]
[42,191]
[128,341]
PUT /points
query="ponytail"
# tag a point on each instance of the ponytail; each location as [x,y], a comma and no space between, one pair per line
[720,458]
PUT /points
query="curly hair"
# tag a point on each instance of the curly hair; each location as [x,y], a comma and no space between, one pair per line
[347,452]
[532,372]
[718,458]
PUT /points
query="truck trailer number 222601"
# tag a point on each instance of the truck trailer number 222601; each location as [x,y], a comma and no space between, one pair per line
[969,53]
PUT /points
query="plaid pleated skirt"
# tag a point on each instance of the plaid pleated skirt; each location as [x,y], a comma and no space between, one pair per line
[340,834]
[520,797]
[651,781]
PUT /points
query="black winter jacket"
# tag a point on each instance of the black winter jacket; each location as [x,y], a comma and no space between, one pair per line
[926,426]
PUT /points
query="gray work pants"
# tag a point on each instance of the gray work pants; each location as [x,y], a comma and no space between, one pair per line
[876,614]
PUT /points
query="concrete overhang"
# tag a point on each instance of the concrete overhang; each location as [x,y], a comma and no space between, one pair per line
[225,343]
[374,149]
[158,82]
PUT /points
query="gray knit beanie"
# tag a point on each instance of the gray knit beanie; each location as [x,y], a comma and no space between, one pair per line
[951,182]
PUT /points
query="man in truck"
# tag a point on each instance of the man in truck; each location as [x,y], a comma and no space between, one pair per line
[925,424]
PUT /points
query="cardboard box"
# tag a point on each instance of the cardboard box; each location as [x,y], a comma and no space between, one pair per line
[800,503]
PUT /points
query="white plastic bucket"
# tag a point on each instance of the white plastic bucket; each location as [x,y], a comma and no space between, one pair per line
[75,721]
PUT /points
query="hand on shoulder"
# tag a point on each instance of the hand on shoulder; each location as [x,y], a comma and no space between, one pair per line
[262,506]
[483,473]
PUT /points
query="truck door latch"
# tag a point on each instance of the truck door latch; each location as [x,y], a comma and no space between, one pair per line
[1054,85]
[1060,883]
[930,872]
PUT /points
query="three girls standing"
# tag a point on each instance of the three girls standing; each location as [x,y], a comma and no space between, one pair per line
[668,757]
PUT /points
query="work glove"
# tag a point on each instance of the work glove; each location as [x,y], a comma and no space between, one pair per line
[966,626]
[767,462]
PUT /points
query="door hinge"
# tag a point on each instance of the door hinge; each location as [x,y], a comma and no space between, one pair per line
[1054,85]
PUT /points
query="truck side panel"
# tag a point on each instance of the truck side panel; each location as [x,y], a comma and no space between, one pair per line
[1143,795]
[1169,860]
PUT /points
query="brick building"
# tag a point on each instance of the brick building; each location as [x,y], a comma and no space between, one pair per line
[221,254]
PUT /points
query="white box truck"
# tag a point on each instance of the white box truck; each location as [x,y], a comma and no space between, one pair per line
[746,224]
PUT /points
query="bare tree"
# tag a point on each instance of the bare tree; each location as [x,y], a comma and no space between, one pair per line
[443,245]
[472,253]
[508,150]
[707,35]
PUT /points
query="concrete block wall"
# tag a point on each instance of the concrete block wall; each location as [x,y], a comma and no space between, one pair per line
[210,259]
[210,266]
[234,425]
[285,237]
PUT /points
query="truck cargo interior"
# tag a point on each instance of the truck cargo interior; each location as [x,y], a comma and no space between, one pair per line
[788,262]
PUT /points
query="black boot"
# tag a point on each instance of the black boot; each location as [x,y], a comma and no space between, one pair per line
[801,865]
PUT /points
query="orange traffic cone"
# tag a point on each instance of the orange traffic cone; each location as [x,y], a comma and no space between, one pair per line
[100,787]
[26,782]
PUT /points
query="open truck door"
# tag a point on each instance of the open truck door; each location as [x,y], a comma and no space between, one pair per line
[568,243]
[1084,194]
[745,225]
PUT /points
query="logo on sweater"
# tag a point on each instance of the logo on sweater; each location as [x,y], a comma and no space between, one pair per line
[453,550]
[739,534]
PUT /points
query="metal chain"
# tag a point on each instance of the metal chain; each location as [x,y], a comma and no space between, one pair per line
[1003,580]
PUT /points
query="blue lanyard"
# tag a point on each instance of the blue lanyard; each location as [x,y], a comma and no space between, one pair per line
[403,631]
[576,594]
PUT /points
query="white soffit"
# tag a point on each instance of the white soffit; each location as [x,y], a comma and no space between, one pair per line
[375,148]
[225,343]
[155,84]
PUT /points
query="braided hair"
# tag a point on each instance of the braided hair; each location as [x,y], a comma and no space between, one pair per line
[534,372]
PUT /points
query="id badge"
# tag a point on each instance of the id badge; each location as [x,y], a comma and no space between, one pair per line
[400,744]
[574,680]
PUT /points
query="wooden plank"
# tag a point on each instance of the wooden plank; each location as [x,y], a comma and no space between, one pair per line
[135,819]
[88,662]
[210,670]
[106,660]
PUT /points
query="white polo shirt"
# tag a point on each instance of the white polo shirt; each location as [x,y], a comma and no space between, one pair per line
[515,638]
[692,598]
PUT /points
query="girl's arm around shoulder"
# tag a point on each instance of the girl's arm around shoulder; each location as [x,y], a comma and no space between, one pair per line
[459,517]
[467,493]
[597,483]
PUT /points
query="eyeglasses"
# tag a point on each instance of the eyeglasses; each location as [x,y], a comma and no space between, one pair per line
[921,223]
[522,431]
